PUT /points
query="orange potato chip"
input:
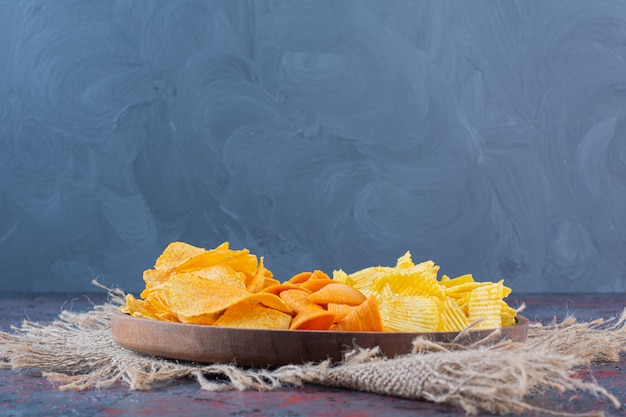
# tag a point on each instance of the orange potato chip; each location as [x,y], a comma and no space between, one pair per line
[189,295]
[239,260]
[257,282]
[251,315]
[155,302]
[204,319]
[156,277]
[137,308]
[338,293]
[174,254]
[222,274]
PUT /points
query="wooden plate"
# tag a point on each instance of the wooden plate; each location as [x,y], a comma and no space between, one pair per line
[267,348]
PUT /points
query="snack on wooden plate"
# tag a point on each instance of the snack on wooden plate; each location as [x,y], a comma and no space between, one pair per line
[232,288]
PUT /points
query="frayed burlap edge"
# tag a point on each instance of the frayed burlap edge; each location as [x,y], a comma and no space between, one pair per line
[77,351]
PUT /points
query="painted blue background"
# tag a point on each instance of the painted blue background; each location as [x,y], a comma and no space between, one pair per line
[488,136]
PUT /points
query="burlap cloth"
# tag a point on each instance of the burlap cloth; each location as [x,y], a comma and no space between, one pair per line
[77,351]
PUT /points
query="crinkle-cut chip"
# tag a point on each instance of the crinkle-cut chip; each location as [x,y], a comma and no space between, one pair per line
[460,290]
[175,253]
[364,278]
[507,309]
[506,291]
[338,293]
[405,261]
[484,305]
[298,300]
[189,295]
[463,303]
[409,313]
[507,314]
[363,318]
[137,308]
[451,282]
[452,318]
[339,310]
[280,287]
[312,319]
[485,319]
[252,315]
[341,276]
[420,279]
[409,282]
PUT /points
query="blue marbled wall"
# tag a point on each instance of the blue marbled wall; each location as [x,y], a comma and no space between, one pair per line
[488,136]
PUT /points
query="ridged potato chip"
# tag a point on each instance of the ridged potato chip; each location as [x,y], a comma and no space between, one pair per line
[412,299]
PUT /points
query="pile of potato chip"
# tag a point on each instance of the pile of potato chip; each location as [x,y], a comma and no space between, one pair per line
[411,299]
[232,288]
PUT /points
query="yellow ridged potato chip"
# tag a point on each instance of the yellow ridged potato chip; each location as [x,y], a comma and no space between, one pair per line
[408,313]
[412,299]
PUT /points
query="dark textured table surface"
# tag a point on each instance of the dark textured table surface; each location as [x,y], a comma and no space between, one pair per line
[25,393]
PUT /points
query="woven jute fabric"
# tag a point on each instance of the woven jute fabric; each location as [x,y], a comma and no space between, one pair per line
[77,352]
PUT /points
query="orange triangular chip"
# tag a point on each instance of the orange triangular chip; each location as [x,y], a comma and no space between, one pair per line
[298,300]
[338,293]
[280,287]
[313,319]
[316,281]
[339,310]
[300,278]
[364,318]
